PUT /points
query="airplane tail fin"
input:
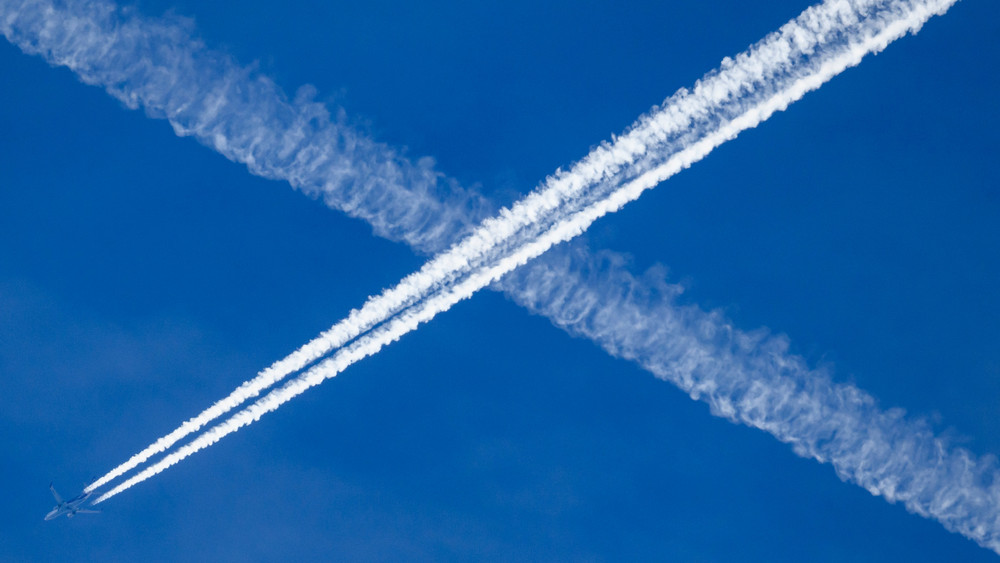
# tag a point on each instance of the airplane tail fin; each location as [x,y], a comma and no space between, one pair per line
[55,495]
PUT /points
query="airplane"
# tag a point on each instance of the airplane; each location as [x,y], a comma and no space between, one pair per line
[69,507]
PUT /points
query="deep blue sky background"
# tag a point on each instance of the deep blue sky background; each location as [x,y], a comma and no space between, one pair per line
[143,276]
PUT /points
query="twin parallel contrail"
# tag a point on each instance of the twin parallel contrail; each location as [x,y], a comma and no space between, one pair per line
[685,117]
[749,378]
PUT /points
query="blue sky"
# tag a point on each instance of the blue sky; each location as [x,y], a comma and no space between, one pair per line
[142,276]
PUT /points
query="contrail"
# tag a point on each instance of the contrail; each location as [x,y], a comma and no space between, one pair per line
[751,378]
[160,65]
[750,398]
[747,377]
[734,88]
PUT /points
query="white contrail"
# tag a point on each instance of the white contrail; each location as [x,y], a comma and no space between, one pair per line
[160,65]
[654,137]
[749,378]
[423,311]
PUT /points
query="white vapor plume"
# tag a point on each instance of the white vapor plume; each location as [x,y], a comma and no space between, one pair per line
[751,378]
[746,377]
[768,389]
[158,64]
[783,66]
[605,167]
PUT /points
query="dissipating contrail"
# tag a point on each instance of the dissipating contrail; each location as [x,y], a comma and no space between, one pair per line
[769,383]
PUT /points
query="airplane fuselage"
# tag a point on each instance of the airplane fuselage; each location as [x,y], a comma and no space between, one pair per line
[69,507]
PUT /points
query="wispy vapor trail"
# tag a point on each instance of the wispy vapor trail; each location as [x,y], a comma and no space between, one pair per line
[159,65]
[746,377]
[752,379]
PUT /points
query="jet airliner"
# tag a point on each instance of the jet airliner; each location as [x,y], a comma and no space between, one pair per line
[69,507]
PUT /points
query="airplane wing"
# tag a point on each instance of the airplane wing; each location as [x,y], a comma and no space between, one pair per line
[87,511]
[58,498]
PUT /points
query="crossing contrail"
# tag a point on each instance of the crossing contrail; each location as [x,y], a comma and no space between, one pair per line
[765,392]
[751,378]
[735,89]
[159,65]
[748,378]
